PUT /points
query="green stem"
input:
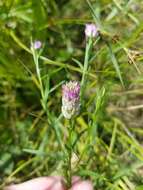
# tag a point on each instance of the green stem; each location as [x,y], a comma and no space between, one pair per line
[69,177]
[36,61]
[112,143]
[85,68]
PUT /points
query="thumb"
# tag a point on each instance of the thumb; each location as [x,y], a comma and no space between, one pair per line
[41,183]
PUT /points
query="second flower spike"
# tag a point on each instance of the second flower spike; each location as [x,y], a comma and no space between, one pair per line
[91,30]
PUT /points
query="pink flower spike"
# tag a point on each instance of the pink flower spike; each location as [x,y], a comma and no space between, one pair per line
[91,30]
[70,99]
[37,44]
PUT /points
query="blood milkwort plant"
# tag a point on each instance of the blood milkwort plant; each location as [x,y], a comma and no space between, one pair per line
[72,95]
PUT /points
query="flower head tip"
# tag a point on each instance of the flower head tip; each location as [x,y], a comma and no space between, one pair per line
[91,30]
[37,44]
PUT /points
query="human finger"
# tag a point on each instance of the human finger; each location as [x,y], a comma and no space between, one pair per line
[40,183]
[82,185]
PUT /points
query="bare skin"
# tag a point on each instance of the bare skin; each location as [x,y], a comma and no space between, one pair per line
[51,183]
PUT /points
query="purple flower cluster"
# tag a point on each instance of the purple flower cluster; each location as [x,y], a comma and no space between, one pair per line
[71,90]
[70,99]
[91,30]
[37,44]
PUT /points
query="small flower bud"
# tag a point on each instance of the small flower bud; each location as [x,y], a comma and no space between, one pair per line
[37,44]
[70,99]
[91,30]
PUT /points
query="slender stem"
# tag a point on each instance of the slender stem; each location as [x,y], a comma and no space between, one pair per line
[69,177]
[86,61]
[112,143]
[36,61]
[69,167]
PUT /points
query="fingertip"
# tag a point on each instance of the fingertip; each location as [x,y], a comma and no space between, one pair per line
[75,179]
[83,185]
[40,183]
[10,187]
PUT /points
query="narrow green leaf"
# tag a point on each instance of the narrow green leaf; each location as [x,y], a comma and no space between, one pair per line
[115,63]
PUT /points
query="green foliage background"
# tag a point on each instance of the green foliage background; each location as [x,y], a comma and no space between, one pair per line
[110,152]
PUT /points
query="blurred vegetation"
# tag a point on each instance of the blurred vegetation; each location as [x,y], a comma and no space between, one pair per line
[109,129]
